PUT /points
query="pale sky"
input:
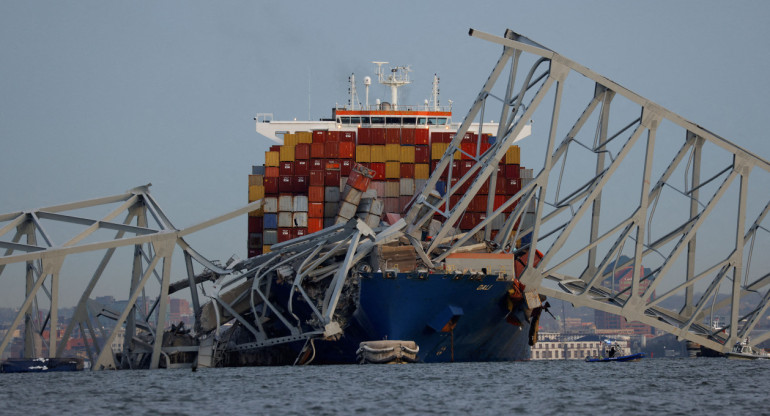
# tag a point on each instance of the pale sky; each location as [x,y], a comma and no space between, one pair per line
[99,97]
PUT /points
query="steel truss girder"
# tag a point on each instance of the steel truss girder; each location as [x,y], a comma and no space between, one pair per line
[644,297]
[153,247]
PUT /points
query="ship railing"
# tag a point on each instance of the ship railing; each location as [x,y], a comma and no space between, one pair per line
[400,107]
[263,117]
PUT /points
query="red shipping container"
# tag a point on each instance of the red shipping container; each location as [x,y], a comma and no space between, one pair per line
[332,150]
[317,150]
[470,138]
[422,154]
[317,163]
[484,187]
[434,166]
[512,171]
[285,184]
[298,232]
[332,136]
[348,136]
[499,201]
[314,225]
[422,137]
[469,220]
[300,184]
[302,151]
[358,181]
[501,186]
[403,201]
[393,135]
[272,172]
[463,167]
[315,209]
[332,178]
[347,150]
[275,148]
[377,136]
[256,224]
[286,168]
[407,170]
[271,186]
[478,203]
[284,234]
[379,171]
[407,136]
[316,178]
[469,148]
[332,164]
[315,194]
[302,168]
[346,166]
[319,136]
[364,136]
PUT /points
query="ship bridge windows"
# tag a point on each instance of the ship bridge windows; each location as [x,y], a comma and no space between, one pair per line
[378,120]
[393,120]
[365,120]
[409,121]
[422,121]
[437,121]
[343,120]
[355,120]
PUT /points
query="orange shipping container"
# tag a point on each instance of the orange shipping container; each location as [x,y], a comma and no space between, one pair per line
[363,153]
[347,150]
[377,154]
[392,170]
[272,159]
[392,152]
[315,194]
[314,225]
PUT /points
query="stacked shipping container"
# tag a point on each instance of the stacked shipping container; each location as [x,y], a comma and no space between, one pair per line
[303,180]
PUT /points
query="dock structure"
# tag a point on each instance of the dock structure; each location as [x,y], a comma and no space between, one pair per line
[607,197]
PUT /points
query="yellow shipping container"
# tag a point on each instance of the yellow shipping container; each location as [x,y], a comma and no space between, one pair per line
[290,139]
[363,153]
[392,170]
[272,159]
[378,153]
[305,136]
[422,171]
[437,150]
[256,192]
[265,249]
[256,180]
[392,152]
[287,153]
[257,213]
[407,154]
[513,155]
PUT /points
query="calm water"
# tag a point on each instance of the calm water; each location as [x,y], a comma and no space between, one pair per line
[664,386]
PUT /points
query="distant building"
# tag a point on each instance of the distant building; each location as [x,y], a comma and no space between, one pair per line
[554,346]
[622,280]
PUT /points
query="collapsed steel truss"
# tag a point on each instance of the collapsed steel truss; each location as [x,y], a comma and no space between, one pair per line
[329,255]
[582,244]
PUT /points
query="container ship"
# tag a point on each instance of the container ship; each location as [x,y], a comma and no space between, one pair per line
[367,162]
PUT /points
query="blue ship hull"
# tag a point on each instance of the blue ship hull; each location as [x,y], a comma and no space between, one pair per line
[40,365]
[450,319]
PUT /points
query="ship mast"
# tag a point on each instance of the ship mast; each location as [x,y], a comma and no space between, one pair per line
[399,76]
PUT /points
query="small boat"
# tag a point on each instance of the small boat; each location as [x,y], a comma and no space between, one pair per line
[610,354]
[743,351]
[632,357]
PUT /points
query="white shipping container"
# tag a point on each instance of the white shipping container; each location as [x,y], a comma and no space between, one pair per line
[271,204]
[285,220]
[347,210]
[300,203]
[370,193]
[392,189]
[270,237]
[331,194]
[353,196]
[406,186]
[300,219]
[285,203]
[373,220]
[377,207]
